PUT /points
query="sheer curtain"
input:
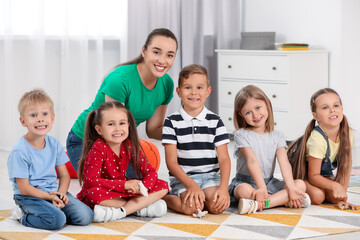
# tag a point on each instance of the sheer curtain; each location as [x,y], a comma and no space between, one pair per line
[67,46]
[201,26]
[62,46]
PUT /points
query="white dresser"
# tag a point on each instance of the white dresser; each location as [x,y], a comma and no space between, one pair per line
[288,78]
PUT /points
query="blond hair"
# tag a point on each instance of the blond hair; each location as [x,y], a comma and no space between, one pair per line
[32,97]
[251,91]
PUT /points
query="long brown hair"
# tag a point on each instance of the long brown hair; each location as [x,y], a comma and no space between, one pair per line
[163,32]
[91,135]
[251,91]
[297,149]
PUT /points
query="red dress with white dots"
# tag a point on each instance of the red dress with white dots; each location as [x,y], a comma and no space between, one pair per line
[105,175]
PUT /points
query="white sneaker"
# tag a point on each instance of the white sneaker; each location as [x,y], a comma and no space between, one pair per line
[247,206]
[17,213]
[156,209]
[108,214]
[306,200]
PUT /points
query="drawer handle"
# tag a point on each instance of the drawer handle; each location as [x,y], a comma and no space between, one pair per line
[275,123]
[274,68]
[229,93]
[274,95]
[229,66]
[230,119]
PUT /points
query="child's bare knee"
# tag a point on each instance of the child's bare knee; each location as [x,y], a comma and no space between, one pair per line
[317,198]
[300,184]
[188,210]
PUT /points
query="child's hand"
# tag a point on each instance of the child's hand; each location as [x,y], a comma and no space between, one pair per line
[132,186]
[345,206]
[56,200]
[221,199]
[62,196]
[339,192]
[195,195]
[260,195]
[295,199]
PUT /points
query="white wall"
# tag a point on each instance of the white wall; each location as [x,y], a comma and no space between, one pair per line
[325,24]
[27,74]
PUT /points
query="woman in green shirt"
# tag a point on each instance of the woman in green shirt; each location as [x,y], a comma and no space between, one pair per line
[142,85]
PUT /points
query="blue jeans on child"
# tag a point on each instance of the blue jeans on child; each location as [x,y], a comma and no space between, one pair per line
[43,214]
[74,146]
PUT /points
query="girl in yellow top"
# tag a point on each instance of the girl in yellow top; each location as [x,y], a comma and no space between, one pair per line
[324,148]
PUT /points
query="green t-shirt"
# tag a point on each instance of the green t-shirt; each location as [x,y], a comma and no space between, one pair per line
[124,85]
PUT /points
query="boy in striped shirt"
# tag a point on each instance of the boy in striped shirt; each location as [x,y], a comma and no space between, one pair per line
[195,141]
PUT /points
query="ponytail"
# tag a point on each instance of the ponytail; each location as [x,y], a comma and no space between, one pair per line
[90,136]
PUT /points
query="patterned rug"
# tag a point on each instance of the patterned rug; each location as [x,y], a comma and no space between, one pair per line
[278,223]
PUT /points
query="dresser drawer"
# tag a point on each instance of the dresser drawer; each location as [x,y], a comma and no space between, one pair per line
[277,93]
[266,68]
[226,114]
[281,122]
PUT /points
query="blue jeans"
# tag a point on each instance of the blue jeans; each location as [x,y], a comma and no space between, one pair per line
[74,146]
[43,214]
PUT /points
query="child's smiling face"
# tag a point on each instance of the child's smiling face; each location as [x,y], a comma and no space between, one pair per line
[329,111]
[193,92]
[255,114]
[38,118]
[114,127]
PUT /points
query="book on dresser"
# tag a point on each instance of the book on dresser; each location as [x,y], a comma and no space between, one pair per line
[288,78]
[292,46]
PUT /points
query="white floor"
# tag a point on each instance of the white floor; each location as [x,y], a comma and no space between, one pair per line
[7,202]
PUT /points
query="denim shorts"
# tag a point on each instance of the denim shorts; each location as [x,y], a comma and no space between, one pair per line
[204,180]
[273,185]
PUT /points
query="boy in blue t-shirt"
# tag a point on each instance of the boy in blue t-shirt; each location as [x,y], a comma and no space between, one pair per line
[41,201]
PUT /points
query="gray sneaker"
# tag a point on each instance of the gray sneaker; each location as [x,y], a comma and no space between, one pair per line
[17,213]
[156,209]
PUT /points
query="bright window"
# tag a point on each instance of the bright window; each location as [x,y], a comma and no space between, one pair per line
[63,17]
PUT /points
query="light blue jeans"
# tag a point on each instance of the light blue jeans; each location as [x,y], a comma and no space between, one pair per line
[43,214]
[204,180]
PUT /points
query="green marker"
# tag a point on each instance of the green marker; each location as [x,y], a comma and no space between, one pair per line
[267,203]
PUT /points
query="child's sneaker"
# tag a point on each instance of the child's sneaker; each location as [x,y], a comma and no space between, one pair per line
[306,200]
[17,213]
[247,206]
[156,209]
[108,214]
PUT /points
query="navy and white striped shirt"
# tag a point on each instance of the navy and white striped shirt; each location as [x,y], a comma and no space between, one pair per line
[196,140]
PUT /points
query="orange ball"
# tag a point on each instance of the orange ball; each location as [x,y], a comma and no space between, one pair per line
[152,153]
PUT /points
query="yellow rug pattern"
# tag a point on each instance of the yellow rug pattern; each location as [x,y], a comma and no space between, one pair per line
[277,223]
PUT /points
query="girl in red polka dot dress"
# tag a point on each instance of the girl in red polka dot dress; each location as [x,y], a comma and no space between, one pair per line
[111,145]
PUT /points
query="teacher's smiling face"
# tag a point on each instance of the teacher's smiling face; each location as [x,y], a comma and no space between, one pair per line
[159,55]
